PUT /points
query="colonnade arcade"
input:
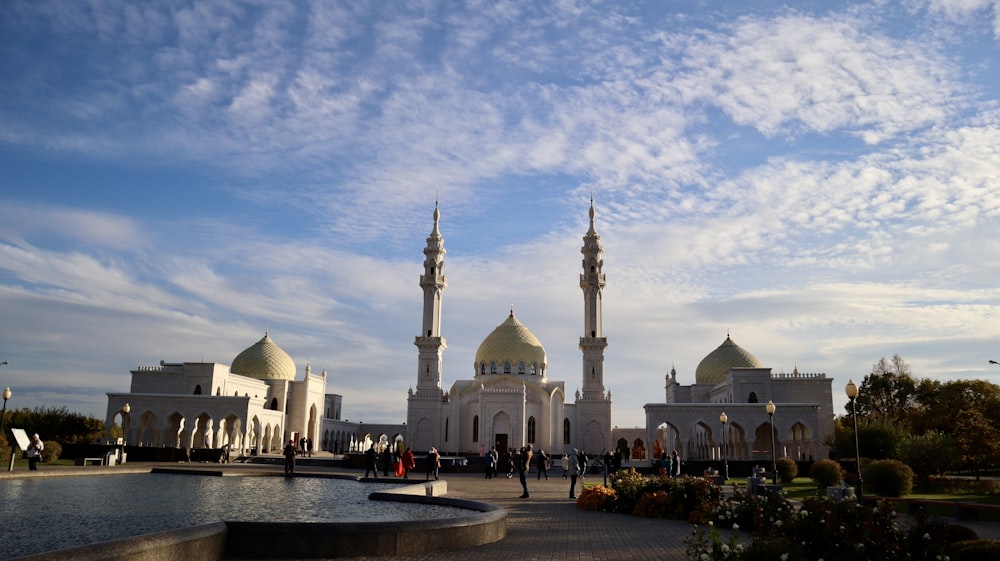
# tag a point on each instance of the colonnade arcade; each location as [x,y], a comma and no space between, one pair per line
[706,441]
[175,430]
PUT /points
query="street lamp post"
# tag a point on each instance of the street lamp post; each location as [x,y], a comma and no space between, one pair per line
[774,462]
[725,455]
[6,395]
[125,410]
[852,394]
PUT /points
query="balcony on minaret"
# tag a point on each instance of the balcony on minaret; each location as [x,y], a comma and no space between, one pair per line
[433,279]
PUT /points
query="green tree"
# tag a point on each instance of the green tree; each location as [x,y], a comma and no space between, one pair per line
[968,411]
[888,394]
[57,424]
[927,454]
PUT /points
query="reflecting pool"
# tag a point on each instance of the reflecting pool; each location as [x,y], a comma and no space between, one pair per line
[39,514]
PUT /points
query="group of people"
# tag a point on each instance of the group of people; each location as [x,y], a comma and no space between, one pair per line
[574,466]
[402,464]
[670,464]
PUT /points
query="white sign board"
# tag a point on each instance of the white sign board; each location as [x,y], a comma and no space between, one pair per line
[22,438]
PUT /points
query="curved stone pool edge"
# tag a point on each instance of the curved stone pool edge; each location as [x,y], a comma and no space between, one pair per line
[308,540]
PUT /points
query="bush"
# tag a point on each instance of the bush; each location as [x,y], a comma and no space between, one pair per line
[826,473]
[974,550]
[787,469]
[597,497]
[52,451]
[889,478]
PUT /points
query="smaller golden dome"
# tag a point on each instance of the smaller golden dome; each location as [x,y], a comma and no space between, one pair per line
[265,360]
[712,369]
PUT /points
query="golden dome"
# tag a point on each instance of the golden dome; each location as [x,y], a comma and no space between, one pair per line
[265,360]
[511,343]
[712,369]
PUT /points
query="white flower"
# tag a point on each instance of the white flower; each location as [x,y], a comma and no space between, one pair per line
[778,523]
[704,557]
[725,548]
[784,557]
[736,526]
[710,523]
[928,537]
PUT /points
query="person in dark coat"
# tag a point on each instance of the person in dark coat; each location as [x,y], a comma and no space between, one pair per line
[289,453]
[371,461]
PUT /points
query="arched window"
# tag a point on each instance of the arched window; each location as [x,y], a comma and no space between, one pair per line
[566,435]
[506,367]
[218,391]
[520,367]
[752,398]
[533,369]
[475,428]
[493,368]
[197,389]
[531,430]
[446,422]
[482,368]
[274,404]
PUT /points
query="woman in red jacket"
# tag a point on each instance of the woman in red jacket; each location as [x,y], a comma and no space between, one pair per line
[409,462]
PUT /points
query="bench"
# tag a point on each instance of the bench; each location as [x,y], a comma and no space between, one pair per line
[90,461]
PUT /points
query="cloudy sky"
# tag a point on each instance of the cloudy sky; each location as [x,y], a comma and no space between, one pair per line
[823,183]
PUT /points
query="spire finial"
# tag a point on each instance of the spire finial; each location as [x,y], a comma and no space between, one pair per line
[511,308]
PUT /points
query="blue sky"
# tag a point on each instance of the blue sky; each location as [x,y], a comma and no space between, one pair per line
[822,182]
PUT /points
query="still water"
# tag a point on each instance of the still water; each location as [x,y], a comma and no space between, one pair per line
[41,514]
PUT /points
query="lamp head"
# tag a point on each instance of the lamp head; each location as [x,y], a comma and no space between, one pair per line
[126,408]
[7,393]
[723,418]
[851,390]
[770,407]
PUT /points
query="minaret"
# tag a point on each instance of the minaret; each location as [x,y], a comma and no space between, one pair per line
[593,342]
[430,343]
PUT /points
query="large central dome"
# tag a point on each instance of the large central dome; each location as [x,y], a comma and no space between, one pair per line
[265,360]
[513,345]
[712,369]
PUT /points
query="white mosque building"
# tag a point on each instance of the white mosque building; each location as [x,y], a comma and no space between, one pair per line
[256,405]
[251,407]
[510,401]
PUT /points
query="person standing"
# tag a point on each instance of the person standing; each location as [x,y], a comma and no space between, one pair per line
[543,465]
[676,463]
[574,472]
[490,461]
[34,452]
[386,460]
[289,453]
[523,464]
[371,461]
[433,463]
[408,461]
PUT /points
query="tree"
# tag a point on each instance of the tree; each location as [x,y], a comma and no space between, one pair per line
[57,424]
[888,395]
[928,454]
[968,411]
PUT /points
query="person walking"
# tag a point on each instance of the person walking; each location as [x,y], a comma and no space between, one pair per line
[433,463]
[386,460]
[543,465]
[574,472]
[523,465]
[289,453]
[408,461]
[371,461]
[34,452]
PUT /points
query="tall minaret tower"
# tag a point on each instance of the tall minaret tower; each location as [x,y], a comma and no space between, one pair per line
[593,342]
[430,342]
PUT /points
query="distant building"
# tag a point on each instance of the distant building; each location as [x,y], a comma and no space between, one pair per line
[731,380]
[510,401]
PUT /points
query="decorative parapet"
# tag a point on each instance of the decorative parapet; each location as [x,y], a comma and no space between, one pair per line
[796,375]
